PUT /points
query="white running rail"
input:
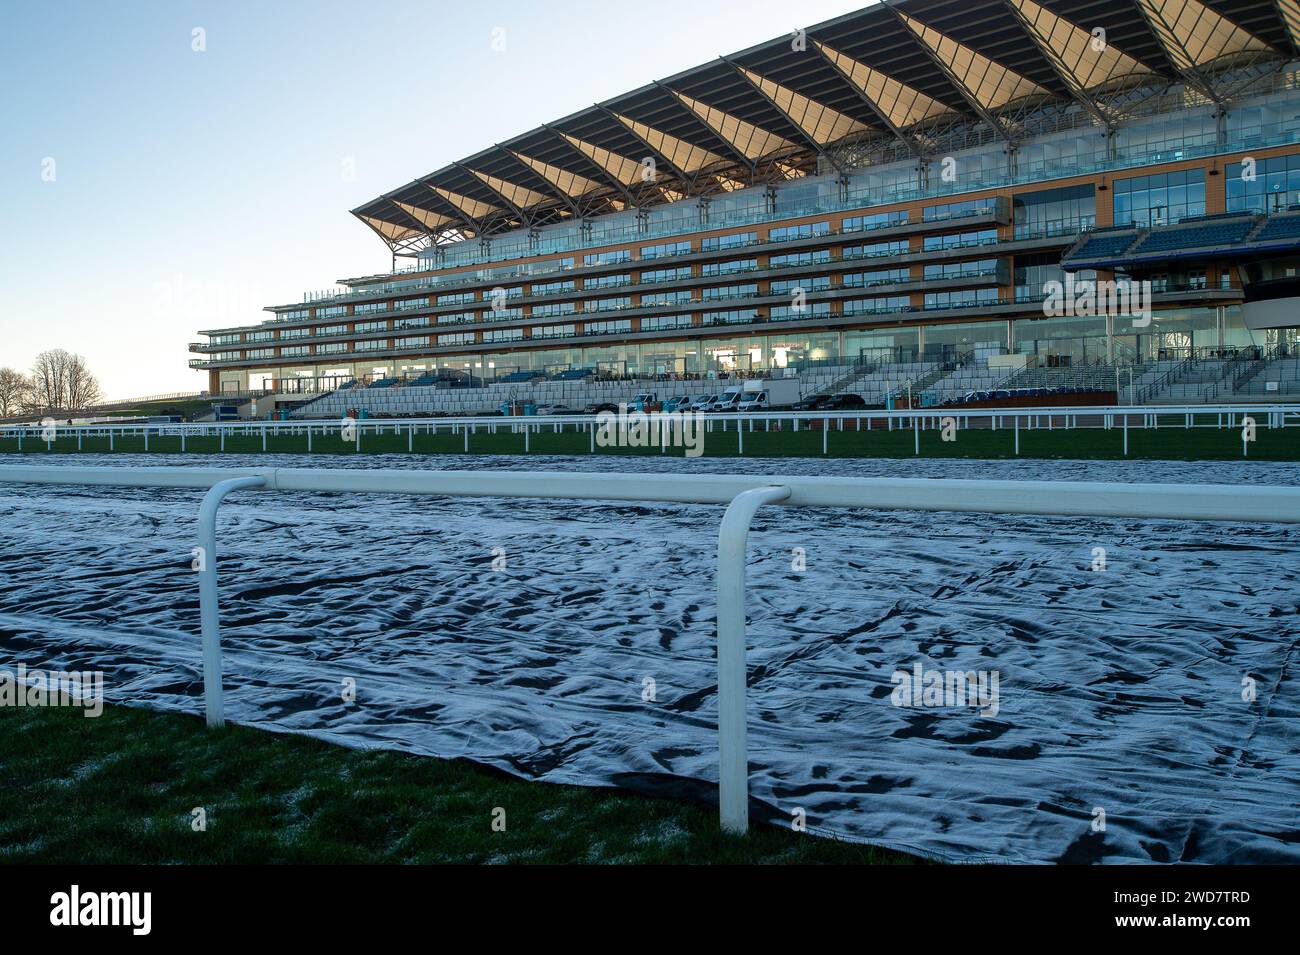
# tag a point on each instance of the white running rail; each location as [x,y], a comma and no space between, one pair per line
[743,495]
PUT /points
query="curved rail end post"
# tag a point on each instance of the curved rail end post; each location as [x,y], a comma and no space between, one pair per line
[213,703]
[733,757]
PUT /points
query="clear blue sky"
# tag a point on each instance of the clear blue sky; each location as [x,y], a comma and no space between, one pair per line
[192,189]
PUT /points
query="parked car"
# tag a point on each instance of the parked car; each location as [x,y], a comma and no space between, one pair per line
[678,403]
[703,402]
[832,403]
[598,407]
[555,409]
[753,401]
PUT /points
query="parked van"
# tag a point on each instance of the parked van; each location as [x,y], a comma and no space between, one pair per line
[729,400]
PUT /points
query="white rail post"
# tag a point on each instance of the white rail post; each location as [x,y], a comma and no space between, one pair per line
[213,703]
[1016,419]
[1126,434]
[146,440]
[733,758]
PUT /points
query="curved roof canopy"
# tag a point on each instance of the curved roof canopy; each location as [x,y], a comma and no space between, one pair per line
[899,78]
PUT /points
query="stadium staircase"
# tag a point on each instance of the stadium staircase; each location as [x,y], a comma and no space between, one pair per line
[1100,377]
[969,377]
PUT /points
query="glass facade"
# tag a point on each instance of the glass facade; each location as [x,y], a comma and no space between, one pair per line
[1055,211]
[1264,185]
[1160,199]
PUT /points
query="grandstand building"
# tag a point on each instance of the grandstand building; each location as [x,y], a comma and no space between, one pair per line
[897,188]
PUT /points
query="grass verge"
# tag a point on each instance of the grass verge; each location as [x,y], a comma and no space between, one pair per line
[121,789]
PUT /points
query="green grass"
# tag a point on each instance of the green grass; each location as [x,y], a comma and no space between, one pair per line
[1170,442]
[185,407]
[121,788]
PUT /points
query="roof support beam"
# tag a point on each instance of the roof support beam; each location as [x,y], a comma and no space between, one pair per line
[464,216]
[604,173]
[911,142]
[1180,58]
[1177,22]
[803,134]
[686,178]
[995,89]
[735,152]
[551,188]
[504,198]
[1053,57]
[1288,12]
[993,121]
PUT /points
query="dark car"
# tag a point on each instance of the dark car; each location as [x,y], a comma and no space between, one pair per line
[600,406]
[832,403]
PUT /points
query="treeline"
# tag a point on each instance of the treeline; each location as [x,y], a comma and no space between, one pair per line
[59,381]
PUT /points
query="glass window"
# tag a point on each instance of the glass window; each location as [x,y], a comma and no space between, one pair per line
[1271,185]
[727,268]
[607,258]
[1055,211]
[717,243]
[960,240]
[962,298]
[1160,199]
[799,258]
[961,270]
[878,249]
[960,210]
[805,231]
[878,277]
[881,220]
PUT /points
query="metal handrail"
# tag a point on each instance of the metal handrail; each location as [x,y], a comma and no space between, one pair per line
[743,496]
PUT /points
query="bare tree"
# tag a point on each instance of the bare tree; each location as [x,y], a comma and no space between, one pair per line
[15,392]
[83,386]
[62,381]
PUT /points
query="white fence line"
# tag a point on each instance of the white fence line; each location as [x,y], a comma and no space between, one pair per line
[1106,417]
[743,495]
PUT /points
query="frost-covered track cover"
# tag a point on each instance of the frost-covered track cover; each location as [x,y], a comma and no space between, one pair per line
[523,634]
